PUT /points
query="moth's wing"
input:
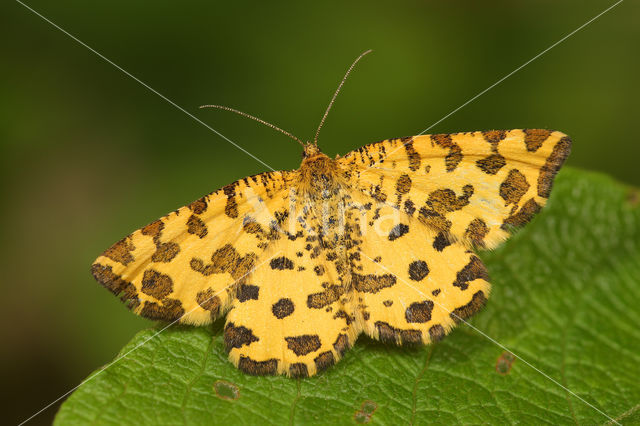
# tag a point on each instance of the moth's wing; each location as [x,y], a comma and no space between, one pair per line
[410,288]
[298,318]
[471,187]
[187,265]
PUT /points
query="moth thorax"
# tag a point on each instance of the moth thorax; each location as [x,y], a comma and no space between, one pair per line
[320,179]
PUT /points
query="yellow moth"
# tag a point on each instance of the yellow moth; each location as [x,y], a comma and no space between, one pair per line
[378,241]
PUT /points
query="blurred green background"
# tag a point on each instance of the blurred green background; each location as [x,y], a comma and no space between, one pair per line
[88,154]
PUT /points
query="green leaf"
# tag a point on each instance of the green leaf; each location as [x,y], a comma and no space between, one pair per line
[565,301]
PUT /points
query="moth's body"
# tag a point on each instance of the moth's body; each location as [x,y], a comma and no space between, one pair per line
[378,241]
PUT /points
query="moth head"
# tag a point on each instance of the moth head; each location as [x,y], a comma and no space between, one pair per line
[310,150]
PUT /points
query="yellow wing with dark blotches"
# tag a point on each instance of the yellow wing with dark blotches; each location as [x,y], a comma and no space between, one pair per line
[190,264]
[468,187]
[299,319]
[409,288]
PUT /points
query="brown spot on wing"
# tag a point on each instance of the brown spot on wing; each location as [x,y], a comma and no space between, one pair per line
[389,334]
[324,361]
[167,310]
[252,227]
[403,184]
[534,138]
[298,369]
[412,155]
[419,312]
[248,292]
[303,345]
[344,315]
[116,284]
[476,231]
[325,298]
[445,200]
[491,164]
[441,241]
[196,226]
[398,231]
[524,215]
[409,207]
[548,171]
[494,137]
[199,206]
[153,229]
[513,188]
[208,300]
[258,368]
[282,308]
[378,195]
[236,337]
[341,345]
[231,208]
[473,270]
[226,259]
[281,263]
[434,219]
[418,270]
[371,283]
[165,252]
[156,285]
[462,313]
[121,251]
[455,156]
[436,332]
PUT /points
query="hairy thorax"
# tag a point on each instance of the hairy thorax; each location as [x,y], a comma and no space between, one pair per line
[324,192]
[321,178]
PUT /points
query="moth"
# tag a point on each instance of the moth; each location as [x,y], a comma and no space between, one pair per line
[380,241]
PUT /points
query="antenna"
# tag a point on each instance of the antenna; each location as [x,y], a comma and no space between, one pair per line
[315,139]
[244,114]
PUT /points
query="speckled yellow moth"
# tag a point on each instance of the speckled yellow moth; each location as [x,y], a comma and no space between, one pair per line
[379,241]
